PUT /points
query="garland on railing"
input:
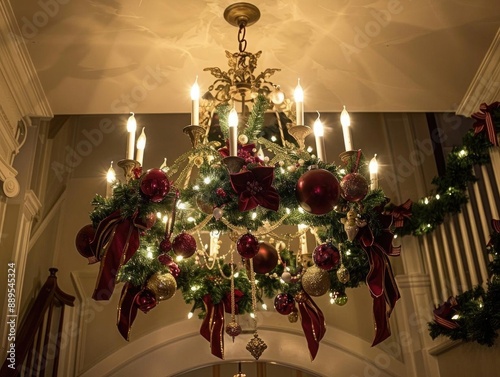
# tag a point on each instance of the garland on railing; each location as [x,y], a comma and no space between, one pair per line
[450,192]
[473,316]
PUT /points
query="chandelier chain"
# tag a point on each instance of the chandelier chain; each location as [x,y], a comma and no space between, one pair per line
[241,38]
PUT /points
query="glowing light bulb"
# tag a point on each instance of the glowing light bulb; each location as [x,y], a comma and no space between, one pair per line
[141,145]
[345,120]
[373,167]
[190,315]
[195,103]
[111,175]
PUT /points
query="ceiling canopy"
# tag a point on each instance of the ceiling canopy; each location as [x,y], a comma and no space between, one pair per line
[106,56]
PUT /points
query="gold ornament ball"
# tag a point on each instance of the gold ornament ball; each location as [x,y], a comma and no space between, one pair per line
[300,297]
[316,281]
[293,317]
[343,274]
[162,285]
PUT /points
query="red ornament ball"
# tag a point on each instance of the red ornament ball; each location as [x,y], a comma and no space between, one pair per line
[165,245]
[247,246]
[284,303]
[155,185]
[326,256]
[317,191]
[184,245]
[146,300]
[266,259]
[83,239]
[354,187]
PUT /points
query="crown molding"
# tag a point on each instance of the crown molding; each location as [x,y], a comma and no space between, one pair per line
[18,70]
[485,86]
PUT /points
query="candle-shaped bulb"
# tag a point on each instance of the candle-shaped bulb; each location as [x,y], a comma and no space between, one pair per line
[110,180]
[111,174]
[345,119]
[373,166]
[141,145]
[233,132]
[233,118]
[164,163]
[318,127]
[319,133]
[299,103]
[195,103]
[131,123]
[131,127]
[195,90]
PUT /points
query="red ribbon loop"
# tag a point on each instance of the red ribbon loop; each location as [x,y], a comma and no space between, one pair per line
[115,242]
[399,213]
[484,121]
[443,314]
[313,323]
[380,278]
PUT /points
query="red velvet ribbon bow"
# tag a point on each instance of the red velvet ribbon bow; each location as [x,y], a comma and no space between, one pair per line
[131,299]
[254,187]
[115,242]
[399,213]
[484,121]
[380,278]
[212,327]
[313,322]
[444,313]
[495,224]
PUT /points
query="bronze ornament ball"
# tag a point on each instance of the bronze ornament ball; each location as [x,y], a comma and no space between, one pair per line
[83,239]
[317,191]
[266,259]
[163,285]
[354,187]
[316,281]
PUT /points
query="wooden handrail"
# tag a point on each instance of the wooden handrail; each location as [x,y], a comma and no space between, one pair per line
[36,324]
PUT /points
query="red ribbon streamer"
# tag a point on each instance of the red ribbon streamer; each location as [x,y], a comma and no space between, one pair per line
[484,121]
[115,242]
[399,213]
[313,323]
[213,326]
[380,278]
[127,308]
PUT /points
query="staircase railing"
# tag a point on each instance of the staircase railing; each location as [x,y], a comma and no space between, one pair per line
[38,340]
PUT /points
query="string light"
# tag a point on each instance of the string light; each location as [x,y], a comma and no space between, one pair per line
[190,315]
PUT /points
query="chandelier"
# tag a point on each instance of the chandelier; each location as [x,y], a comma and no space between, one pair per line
[148,232]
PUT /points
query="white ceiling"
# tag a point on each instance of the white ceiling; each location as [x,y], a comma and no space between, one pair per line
[110,56]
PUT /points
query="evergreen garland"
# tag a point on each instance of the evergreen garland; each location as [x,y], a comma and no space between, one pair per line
[478,310]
